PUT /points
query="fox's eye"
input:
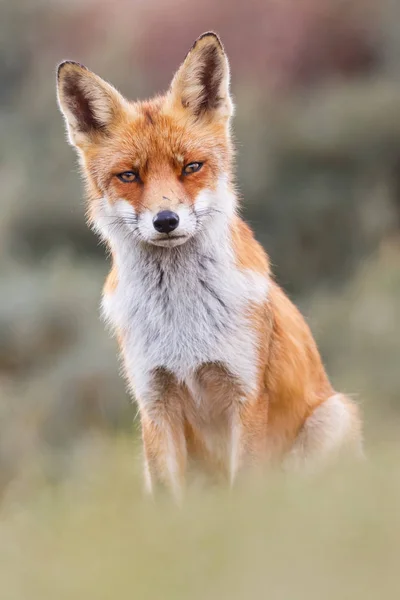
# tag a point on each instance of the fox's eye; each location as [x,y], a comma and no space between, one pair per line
[192,168]
[128,176]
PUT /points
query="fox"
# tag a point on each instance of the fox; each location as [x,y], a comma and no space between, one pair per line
[223,367]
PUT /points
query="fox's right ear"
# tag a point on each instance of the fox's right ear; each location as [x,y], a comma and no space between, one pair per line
[201,84]
[89,104]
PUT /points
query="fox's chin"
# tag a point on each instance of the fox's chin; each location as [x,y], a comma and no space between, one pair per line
[169,242]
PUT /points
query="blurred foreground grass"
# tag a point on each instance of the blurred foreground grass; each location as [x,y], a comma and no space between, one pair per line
[95,537]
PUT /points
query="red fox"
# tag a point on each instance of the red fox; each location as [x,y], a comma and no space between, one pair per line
[223,367]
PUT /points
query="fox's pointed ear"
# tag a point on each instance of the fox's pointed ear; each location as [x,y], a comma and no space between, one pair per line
[201,84]
[89,104]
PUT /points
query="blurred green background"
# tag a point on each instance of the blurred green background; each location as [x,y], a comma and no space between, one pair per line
[317,91]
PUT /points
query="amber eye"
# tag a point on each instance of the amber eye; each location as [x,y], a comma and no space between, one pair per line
[128,176]
[192,168]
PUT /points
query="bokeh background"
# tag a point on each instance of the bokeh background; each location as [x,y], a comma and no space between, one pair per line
[317,90]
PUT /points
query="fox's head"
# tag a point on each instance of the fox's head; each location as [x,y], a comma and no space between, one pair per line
[160,169]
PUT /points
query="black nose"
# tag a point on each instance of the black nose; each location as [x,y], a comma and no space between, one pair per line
[165,221]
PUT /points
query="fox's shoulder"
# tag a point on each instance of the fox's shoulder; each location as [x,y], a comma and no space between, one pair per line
[249,253]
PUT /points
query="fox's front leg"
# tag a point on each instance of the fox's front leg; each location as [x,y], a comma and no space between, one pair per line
[163,434]
[248,439]
[165,453]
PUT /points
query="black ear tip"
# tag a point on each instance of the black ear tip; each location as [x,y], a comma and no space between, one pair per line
[209,34]
[212,35]
[69,63]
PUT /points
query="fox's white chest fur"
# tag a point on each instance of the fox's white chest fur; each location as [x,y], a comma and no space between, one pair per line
[182,307]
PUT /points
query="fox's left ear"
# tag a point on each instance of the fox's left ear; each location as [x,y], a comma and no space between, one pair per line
[89,104]
[201,84]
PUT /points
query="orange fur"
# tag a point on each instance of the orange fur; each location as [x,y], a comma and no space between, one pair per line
[211,419]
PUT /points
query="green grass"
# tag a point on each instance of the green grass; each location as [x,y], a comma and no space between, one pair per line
[280,537]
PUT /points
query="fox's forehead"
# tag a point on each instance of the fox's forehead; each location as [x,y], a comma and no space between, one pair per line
[149,136]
